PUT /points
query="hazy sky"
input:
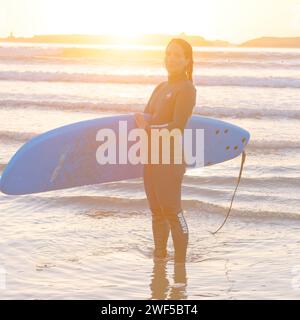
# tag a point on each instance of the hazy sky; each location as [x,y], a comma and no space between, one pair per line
[232,20]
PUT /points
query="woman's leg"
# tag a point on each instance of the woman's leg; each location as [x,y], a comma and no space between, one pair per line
[167,184]
[180,234]
[160,225]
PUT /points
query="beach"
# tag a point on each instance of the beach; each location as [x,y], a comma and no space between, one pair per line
[95,242]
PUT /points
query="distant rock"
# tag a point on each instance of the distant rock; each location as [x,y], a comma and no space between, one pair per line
[157,39]
[273,42]
[148,39]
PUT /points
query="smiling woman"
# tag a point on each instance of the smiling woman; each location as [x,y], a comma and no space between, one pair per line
[170,106]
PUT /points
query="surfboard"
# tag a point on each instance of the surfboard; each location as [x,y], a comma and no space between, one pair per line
[66,157]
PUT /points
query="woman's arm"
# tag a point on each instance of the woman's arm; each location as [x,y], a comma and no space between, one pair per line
[147,108]
[139,117]
[184,105]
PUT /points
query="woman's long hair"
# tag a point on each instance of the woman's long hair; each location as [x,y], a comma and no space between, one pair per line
[188,52]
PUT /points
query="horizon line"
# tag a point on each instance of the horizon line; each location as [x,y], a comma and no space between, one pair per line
[134,39]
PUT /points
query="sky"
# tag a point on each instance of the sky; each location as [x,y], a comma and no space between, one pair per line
[231,20]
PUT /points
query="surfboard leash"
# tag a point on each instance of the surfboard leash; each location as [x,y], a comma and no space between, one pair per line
[239,178]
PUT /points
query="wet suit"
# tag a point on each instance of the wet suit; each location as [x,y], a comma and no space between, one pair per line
[170,106]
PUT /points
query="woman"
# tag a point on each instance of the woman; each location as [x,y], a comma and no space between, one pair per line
[170,106]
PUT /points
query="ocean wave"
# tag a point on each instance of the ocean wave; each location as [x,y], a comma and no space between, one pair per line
[202,206]
[120,205]
[248,113]
[205,80]
[286,182]
[88,106]
[16,136]
[93,51]
[226,64]
[85,106]
[267,145]
[248,81]
[29,52]
[251,64]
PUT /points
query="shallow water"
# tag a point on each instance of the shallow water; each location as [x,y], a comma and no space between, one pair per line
[51,252]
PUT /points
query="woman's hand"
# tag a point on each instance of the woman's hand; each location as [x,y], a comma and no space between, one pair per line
[140,120]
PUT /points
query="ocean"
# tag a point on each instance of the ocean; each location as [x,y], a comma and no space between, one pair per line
[95,242]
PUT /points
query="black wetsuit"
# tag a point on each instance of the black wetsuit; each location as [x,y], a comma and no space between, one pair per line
[170,106]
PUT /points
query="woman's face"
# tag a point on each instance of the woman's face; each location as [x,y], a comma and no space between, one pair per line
[175,60]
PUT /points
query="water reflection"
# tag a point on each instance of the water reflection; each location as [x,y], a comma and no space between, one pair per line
[160,287]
